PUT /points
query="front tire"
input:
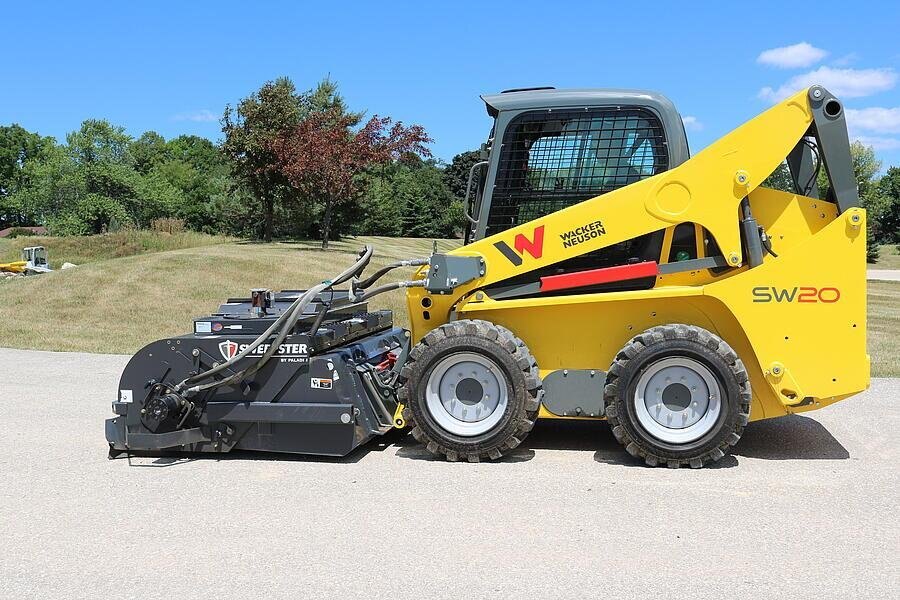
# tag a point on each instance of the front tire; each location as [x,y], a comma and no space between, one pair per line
[471,391]
[677,395]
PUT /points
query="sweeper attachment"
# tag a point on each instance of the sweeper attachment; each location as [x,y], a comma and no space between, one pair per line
[605,274]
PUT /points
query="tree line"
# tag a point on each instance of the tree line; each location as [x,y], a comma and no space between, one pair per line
[290,165]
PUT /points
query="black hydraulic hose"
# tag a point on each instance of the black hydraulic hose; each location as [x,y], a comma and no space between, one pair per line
[415,262]
[281,327]
[815,175]
[387,288]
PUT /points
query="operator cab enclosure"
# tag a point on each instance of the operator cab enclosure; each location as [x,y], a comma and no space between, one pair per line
[552,148]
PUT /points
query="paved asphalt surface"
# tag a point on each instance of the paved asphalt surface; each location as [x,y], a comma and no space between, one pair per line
[883,274]
[806,508]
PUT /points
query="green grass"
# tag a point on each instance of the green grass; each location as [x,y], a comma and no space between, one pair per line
[93,248]
[884,328]
[888,258]
[120,304]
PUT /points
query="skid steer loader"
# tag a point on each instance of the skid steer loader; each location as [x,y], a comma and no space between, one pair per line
[605,274]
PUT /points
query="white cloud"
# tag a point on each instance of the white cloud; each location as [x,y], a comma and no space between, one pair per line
[200,116]
[878,142]
[792,57]
[845,60]
[844,83]
[692,123]
[877,119]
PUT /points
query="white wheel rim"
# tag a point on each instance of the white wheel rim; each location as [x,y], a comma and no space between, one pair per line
[466,394]
[677,400]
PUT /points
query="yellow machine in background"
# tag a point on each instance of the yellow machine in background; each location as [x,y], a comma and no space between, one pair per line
[34,260]
[13,267]
[752,304]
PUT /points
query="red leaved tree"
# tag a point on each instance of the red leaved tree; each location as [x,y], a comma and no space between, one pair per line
[322,157]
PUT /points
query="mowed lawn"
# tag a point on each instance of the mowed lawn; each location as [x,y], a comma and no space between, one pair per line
[118,305]
[888,258]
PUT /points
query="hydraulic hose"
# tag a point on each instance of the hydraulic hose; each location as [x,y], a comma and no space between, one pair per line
[387,288]
[281,327]
[415,262]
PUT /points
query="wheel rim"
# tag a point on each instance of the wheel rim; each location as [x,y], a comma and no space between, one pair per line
[466,394]
[677,400]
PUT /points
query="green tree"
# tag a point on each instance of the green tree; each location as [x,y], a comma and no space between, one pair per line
[198,170]
[865,168]
[456,175]
[780,179]
[18,147]
[250,130]
[889,208]
[149,151]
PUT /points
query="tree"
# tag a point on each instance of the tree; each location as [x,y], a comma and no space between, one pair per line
[865,167]
[889,217]
[456,175]
[324,159]
[18,147]
[148,151]
[250,132]
[780,179]
[196,167]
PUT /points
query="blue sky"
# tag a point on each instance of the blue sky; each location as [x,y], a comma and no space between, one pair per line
[173,66]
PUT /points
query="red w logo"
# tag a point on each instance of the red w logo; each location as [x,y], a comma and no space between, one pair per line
[534,246]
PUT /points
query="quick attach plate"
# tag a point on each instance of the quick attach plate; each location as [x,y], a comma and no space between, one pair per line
[447,273]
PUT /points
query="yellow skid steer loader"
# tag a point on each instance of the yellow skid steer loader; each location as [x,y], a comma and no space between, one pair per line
[606,274]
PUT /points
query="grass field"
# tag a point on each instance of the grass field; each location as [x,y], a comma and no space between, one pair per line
[118,305]
[92,248]
[888,258]
[884,328]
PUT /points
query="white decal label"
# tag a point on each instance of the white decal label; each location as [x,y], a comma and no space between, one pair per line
[124,395]
[318,383]
[203,327]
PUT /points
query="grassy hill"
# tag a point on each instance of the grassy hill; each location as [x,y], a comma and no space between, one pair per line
[116,305]
[91,248]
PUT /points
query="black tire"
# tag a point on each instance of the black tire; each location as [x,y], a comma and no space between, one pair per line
[697,344]
[518,367]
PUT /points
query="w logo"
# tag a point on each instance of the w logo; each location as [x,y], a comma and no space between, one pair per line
[228,349]
[534,246]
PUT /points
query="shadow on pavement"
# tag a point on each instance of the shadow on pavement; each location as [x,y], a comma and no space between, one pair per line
[793,437]
[172,459]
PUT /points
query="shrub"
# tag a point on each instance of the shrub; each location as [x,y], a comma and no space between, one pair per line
[168,225]
[20,232]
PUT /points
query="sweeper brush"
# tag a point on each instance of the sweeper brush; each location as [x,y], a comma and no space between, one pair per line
[605,274]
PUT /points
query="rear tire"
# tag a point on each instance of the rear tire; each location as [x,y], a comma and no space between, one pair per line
[471,391]
[677,395]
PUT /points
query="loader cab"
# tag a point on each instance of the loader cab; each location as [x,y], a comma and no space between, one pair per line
[35,258]
[550,149]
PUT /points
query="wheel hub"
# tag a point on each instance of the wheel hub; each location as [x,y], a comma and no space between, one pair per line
[466,394]
[677,400]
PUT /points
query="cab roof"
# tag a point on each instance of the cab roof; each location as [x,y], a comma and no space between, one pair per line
[537,98]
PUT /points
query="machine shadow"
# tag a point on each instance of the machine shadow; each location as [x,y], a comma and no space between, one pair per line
[793,437]
[173,459]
